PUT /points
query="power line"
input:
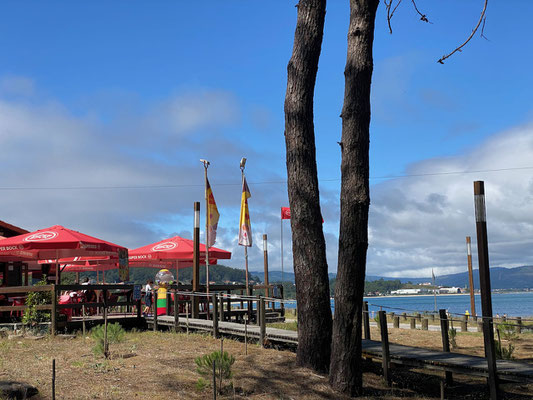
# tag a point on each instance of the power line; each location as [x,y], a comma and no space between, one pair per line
[185,185]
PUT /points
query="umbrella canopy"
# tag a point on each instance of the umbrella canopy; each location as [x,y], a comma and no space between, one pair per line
[53,243]
[174,249]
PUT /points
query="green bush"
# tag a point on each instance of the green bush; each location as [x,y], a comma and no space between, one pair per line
[32,316]
[452,334]
[223,363]
[507,331]
[503,353]
[115,334]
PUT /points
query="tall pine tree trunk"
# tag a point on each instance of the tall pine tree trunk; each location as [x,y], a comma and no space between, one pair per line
[308,245]
[346,362]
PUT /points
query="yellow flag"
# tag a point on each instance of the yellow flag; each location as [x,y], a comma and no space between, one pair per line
[212,215]
[245,227]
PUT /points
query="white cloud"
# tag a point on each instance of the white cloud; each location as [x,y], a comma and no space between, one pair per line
[419,223]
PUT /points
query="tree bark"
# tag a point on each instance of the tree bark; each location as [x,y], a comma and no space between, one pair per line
[346,362]
[308,245]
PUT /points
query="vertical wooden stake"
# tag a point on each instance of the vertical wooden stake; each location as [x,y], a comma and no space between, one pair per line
[262,321]
[214,381]
[83,319]
[245,336]
[187,316]
[106,344]
[445,341]
[215,315]
[176,312]
[154,304]
[54,379]
[366,320]
[385,347]
[484,285]
[53,314]
[220,364]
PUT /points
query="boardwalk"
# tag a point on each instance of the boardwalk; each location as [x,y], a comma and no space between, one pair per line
[404,355]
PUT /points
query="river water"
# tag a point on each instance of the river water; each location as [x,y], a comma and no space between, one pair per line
[512,304]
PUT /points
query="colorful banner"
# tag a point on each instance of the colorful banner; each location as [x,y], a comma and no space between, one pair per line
[213,215]
[245,226]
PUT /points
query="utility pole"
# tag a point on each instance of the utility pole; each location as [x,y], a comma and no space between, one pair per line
[206,165]
[484,285]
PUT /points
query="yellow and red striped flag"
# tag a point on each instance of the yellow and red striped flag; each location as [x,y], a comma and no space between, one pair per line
[245,226]
[212,215]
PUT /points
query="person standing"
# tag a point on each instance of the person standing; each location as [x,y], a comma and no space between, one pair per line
[148,297]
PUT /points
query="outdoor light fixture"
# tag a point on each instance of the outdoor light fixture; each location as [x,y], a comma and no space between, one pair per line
[206,163]
[243,162]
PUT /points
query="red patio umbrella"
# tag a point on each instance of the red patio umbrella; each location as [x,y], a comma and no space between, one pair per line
[55,243]
[176,251]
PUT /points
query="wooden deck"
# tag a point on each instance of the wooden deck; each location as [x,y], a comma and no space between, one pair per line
[404,355]
[229,328]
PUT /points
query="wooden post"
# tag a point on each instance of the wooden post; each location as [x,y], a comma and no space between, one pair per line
[215,315]
[464,324]
[176,312]
[54,379]
[53,313]
[519,324]
[258,312]
[139,309]
[196,260]
[470,276]
[396,322]
[106,343]
[425,322]
[413,323]
[221,308]
[154,303]
[283,298]
[445,341]
[384,346]
[419,317]
[245,334]
[484,280]
[169,300]
[366,320]
[83,319]
[262,321]
[404,315]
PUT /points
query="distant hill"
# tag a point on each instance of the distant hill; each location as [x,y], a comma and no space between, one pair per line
[500,278]
[217,273]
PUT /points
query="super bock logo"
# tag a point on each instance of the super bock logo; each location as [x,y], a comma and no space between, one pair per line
[38,237]
[165,246]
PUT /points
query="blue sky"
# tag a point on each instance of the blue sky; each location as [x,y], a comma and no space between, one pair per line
[135,93]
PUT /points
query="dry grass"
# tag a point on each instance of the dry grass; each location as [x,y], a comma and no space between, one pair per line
[161,366]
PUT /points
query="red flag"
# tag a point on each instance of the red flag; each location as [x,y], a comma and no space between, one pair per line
[286,213]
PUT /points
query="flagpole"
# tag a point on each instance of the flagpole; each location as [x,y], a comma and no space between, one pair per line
[281,234]
[206,165]
[243,163]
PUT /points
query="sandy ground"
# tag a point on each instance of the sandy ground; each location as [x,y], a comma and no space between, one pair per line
[161,365]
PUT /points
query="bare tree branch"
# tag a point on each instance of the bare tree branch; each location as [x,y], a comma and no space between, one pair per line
[390,13]
[423,17]
[481,19]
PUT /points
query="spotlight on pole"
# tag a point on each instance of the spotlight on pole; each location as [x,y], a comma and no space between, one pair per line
[205,162]
[243,162]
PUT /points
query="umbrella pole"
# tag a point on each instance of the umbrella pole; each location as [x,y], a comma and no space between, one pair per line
[58,276]
[177,273]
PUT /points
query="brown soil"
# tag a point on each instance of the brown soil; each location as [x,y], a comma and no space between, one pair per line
[161,365]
